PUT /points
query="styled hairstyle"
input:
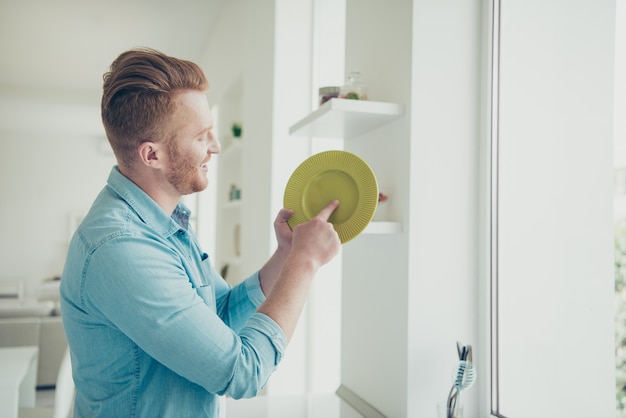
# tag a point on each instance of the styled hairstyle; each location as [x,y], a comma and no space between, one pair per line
[138,98]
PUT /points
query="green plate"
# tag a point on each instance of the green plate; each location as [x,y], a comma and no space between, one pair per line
[333,175]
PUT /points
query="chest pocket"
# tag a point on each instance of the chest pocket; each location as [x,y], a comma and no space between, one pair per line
[205,288]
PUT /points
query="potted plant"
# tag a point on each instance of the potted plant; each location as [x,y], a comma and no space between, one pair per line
[236,129]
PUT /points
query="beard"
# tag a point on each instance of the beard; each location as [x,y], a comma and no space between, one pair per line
[185,174]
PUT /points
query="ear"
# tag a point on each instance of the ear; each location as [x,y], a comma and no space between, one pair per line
[150,154]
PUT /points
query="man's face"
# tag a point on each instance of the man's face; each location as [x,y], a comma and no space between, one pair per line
[191,149]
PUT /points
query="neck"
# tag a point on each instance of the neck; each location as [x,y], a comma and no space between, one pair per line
[155,186]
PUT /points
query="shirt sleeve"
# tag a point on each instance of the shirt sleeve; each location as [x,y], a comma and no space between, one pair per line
[139,286]
[236,304]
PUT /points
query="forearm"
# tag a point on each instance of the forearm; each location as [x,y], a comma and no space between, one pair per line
[289,293]
[270,271]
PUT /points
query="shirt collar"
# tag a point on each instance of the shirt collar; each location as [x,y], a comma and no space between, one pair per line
[147,209]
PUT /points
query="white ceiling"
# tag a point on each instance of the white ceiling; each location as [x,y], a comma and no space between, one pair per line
[63,47]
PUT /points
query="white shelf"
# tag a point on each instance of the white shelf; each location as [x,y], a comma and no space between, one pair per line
[383,228]
[343,118]
[232,204]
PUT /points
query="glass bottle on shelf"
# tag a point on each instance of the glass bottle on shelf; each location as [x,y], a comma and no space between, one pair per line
[354,87]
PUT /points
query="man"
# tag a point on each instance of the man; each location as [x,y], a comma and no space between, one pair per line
[153,330]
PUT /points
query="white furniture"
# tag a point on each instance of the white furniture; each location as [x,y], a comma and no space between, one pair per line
[18,374]
[34,319]
[63,395]
[20,308]
[45,332]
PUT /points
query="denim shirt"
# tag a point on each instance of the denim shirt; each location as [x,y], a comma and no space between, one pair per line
[153,330]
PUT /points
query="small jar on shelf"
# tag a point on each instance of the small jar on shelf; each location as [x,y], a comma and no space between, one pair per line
[354,88]
[327,93]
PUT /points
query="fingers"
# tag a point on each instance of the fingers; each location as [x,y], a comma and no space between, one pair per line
[284,215]
[282,228]
[325,213]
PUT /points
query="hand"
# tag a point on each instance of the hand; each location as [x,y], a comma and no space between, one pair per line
[317,238]
[286,279]
[282,229]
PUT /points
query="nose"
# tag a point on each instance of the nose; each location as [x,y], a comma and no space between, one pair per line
[214,144]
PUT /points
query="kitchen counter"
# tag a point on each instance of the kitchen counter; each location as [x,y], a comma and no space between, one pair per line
[293,406]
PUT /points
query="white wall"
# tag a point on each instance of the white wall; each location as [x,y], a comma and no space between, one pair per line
[324,304]
[312,361]
[240,54]
[376,280]
[55,161]
[445,116]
